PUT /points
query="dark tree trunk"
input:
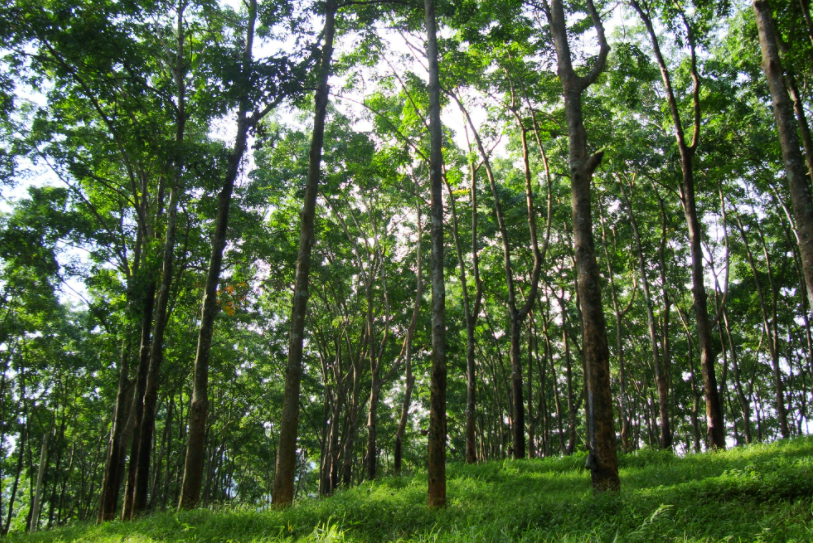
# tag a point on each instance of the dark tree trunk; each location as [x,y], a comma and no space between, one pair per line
[111,482]
[286,452]
[137,408]
[199,406]
[714,414]
[600,425]
[437,403]
[798,182]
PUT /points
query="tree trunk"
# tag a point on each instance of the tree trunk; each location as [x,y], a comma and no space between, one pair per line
[799,184]
[410,379]
[769,327]
[660,373]
[602,460]
[36,504]
[111,482]
[714,415]
[199,406]
[137,408]
[437,404]
[286,452]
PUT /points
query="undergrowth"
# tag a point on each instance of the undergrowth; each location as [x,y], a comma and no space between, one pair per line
[755,493]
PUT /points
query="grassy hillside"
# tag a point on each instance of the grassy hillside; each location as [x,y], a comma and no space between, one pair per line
[759,493]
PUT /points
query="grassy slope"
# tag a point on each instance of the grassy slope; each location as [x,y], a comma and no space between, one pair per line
[759,493]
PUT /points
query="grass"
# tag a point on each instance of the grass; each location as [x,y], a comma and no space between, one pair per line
[756,493]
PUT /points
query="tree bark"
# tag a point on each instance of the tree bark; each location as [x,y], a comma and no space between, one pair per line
[660,373]
[602,460]
[437,403]
[798,182]
[199,406]
[111,482]
[714,414]
[410,378]
[286,452]
[769,327]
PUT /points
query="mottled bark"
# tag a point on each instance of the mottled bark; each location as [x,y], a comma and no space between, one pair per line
[602,461]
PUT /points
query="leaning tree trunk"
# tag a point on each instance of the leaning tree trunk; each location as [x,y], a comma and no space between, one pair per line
[199,406]
[285,471]
[602,460]
[799,184]
[437,403]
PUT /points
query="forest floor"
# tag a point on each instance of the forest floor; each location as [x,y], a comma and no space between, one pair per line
[754,493]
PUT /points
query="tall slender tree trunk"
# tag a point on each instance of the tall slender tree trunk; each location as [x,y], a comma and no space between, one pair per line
[437,403]
[137,408]
[602,461]
[286,452]
[161,318]
[469,313]
[410,378]
[20,456]
[660,373]
[36,504]
[769,327]
[798,182]
[199,406]
[714,414]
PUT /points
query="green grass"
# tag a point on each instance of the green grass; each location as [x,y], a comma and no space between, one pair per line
[758,493]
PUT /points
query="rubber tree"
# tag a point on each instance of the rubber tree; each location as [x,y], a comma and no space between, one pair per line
[285,471]
[687,150]
[198,408]
[602,459]
[786,127]
[437,404]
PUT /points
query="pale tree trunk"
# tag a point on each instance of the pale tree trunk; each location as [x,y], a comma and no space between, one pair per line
[770,330]
[36,504]
[286,466]
[410,378]
[437,403]
[660,372]
[515,316]
[798,183]
[469,313]
[745,409]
